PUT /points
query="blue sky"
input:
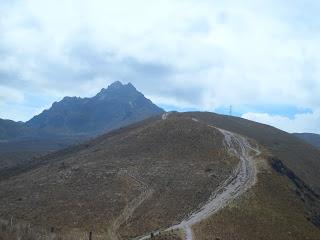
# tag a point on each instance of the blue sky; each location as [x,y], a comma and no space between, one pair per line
[261,57]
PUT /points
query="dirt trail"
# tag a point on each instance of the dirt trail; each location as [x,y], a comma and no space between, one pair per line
[242,178]
[127,212]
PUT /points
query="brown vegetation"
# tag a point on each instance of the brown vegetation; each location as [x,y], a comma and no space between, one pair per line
[152,174]
[302,158]
[88,187]
[270,210]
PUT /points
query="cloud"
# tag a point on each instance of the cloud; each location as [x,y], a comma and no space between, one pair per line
[186,54]
[303,122]
[10,95]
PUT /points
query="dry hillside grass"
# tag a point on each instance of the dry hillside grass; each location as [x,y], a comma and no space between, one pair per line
[292,157]
[302,158]
[152,174]
[270,210]
[124,184]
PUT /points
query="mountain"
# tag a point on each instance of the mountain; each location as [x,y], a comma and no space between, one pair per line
[312,138]
[111,108]
[10,129]
[71,121]
[188,175]
[117,106]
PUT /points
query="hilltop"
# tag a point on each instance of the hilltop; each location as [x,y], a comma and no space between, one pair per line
[157,173]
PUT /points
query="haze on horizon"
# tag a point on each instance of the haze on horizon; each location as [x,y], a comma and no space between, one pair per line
[263,58]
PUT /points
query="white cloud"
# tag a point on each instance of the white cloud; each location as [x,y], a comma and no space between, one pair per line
[9,111]
[10,95]
[187,53]
[303,122]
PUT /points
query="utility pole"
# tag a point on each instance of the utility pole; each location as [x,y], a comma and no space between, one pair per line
[230,110]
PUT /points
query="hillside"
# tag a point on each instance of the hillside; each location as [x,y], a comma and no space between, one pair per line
[168,172]
[311,138]
[171,166]
[286,195]
[300,157]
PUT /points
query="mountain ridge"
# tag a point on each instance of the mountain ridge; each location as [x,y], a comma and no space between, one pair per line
[311,138]
[118,105]
[70,115]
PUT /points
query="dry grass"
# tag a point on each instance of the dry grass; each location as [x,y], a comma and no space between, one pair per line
[270,210]
[171,235]
[89,186]
[13,230]
[302,158]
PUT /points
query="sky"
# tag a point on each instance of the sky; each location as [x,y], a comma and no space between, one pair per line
[261,57]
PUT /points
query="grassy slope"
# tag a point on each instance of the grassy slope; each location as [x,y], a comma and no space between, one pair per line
[269,210]
[272,209]
[311,138]
[87,186]
[302,158]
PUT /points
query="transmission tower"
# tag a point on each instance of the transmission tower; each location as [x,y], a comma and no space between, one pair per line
[230,110]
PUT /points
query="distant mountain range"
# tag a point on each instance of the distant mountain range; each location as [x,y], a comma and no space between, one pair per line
[311,138]
[72,120]
[111,108]
[114,107]
[10,129]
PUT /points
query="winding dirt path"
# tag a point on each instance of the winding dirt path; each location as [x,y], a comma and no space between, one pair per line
[127,212]
[242,178]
